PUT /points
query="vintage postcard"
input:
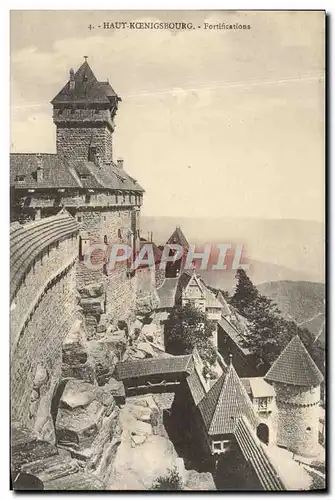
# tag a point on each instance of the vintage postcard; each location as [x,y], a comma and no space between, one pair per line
[167,234]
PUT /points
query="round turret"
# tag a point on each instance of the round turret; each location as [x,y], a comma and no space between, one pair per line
[296,381]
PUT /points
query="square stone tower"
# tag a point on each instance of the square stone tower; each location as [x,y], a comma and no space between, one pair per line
[83,178]
[83,112]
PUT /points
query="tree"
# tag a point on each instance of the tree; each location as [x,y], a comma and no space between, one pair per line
[268,332]
[245,293]
[188,327]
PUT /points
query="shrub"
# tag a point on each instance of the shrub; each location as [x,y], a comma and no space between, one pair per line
[170,481]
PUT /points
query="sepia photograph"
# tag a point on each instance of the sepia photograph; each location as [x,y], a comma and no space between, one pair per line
[167,250]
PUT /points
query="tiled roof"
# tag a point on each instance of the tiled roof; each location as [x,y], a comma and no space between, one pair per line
[196,388]
[109,91]
[225,307]
[147,367]
[29,240]
[178,237]
[225,403]
[295,366]
[233,334]
[56,173]
[86,89]
[59,173]
[211,300]
[254,453]
[167,293]
[183,281]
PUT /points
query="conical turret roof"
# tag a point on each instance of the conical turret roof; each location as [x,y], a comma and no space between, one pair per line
[83,87]
[225,403]
[294,366]
[178,237]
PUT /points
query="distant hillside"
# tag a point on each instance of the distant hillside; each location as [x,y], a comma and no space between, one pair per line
[280,249]
[302,301]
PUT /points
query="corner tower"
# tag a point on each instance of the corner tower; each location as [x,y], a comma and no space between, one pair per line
[296,380]
[83,112]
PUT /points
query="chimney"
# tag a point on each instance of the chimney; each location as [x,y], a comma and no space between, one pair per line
[72,82]
[98,160]
[39,169]
[120,162]
[208,381]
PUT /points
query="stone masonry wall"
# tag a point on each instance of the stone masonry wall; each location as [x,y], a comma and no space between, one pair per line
[298,418]
[111,226]
[40,341]
[56,258]
[74,142]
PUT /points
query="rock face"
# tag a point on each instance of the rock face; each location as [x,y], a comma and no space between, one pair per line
[104,359]
[81,412]
[199,481]
[142,455]
[75,360]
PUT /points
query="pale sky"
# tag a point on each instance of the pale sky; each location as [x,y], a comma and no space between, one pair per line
[212,122]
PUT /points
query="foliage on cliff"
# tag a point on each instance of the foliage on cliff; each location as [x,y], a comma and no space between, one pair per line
[268,332]
[171,481]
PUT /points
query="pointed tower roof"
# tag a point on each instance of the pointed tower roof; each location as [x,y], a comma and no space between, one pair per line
[83,87]
[294,366]
[225,403]
[178,237]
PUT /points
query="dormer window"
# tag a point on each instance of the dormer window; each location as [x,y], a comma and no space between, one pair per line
[19,178]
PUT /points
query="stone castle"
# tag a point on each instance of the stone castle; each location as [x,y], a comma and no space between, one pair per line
[60,310]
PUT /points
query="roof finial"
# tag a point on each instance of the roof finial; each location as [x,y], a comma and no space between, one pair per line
[85,57]
[230,359]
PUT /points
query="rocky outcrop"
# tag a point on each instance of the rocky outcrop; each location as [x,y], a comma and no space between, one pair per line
[145,341]
[76,362]
[104,359]
[143,454]
[76,482]
[199,481]
[26,448]
[87,425]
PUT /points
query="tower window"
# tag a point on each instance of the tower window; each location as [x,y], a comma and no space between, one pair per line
[119,235]
[19,178]
[105,240]
[308,429]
